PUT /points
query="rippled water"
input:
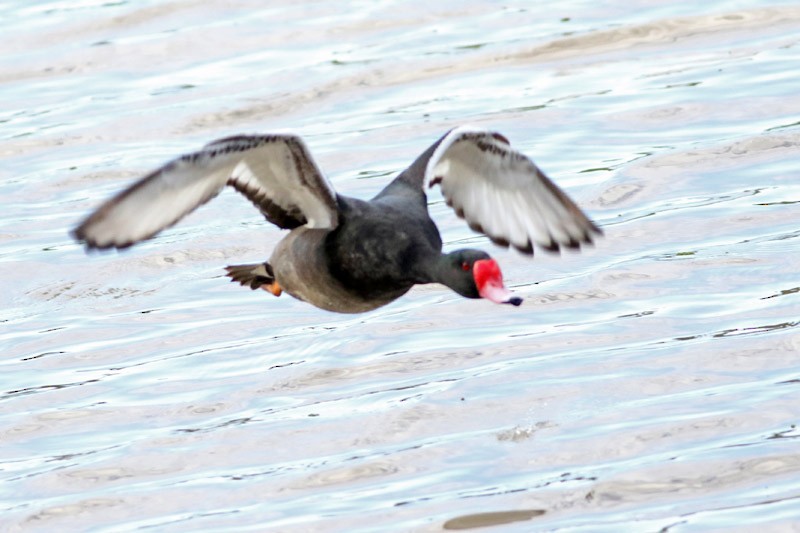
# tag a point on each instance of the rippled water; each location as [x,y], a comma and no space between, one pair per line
[649,384]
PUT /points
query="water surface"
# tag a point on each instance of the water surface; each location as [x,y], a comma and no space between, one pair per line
[648,384]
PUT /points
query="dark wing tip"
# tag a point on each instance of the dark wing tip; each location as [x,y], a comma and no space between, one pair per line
[92,246]
[500,241]
[79,235]
[500,137]
[527,249]
[590,234]
[553,247]
[474,226]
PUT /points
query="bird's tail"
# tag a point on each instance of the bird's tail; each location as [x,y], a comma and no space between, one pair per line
[255,276]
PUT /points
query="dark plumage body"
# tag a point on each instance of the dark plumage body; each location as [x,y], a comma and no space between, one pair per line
[355,271]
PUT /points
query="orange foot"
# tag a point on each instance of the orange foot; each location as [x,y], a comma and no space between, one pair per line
[273,287]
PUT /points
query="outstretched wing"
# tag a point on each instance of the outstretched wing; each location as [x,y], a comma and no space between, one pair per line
[275,172]
[500,192]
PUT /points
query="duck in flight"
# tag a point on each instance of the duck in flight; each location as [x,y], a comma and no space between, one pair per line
[348,255]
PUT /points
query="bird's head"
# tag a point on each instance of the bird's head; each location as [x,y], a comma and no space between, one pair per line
[474,274]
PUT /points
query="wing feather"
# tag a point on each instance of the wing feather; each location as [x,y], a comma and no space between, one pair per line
[275,172]
[500,192]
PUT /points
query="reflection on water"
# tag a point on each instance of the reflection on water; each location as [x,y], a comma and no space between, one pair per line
[491,519]
[651,382]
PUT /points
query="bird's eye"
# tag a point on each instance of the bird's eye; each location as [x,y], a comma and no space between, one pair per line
[465,266]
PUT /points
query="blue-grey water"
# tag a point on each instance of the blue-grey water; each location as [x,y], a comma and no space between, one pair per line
[651,383]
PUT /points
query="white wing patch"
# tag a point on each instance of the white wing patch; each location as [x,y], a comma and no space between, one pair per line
[276,172]
[286,174]
[500,192]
